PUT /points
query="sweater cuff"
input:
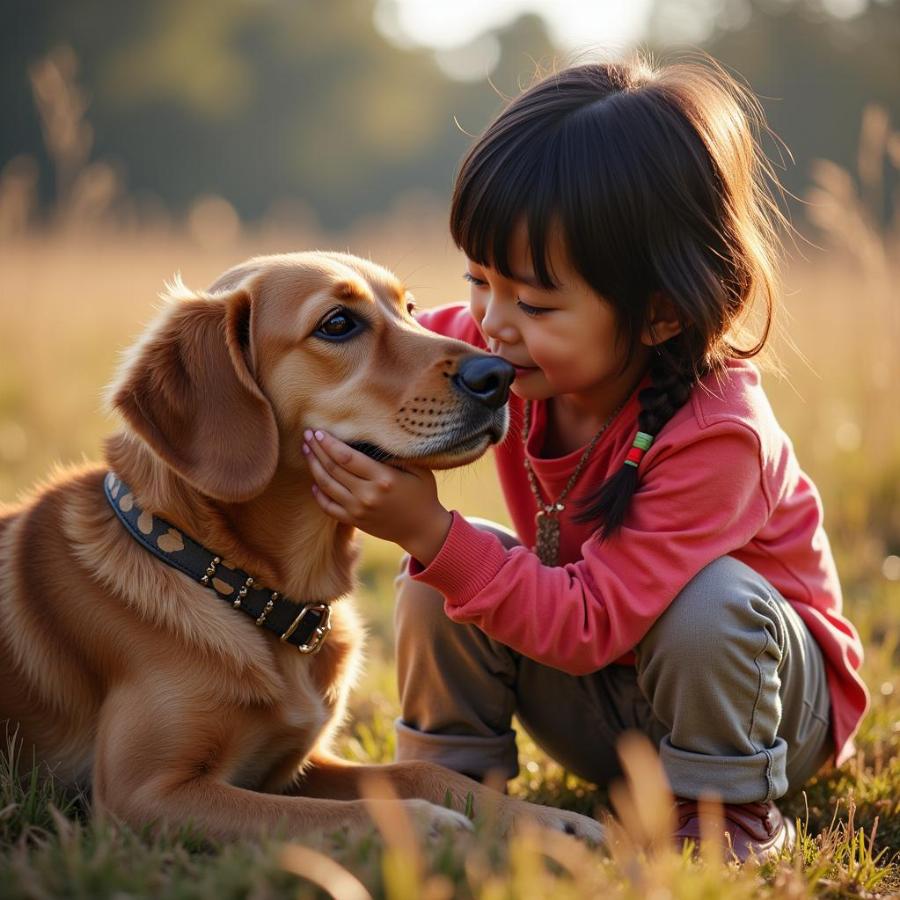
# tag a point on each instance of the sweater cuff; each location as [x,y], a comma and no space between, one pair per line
[467,562]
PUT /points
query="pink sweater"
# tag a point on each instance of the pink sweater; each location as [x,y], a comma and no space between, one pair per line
[721,478]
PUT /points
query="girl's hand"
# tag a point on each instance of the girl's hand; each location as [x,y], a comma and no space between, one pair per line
[398,505]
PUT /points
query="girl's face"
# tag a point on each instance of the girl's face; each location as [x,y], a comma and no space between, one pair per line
[563,341]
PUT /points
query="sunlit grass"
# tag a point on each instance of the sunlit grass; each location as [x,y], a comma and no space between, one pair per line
[72,302]
[71,298]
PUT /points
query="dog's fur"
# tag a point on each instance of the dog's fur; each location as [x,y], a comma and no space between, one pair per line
[120,672]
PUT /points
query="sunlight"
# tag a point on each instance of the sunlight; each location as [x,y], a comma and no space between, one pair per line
[572,24]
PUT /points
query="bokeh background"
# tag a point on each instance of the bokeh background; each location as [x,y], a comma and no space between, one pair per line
[140,139]
[143,139]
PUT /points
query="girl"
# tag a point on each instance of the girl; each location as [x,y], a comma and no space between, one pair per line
[669,571]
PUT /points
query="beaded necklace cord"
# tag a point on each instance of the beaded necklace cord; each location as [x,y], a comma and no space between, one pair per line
[547,518]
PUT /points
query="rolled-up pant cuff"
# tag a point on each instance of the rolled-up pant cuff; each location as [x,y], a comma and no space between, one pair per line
[473,755]
[734,779]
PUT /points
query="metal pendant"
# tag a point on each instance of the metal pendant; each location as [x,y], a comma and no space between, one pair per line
[547,540]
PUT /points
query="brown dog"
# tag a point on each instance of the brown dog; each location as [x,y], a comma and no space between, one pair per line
[122,671]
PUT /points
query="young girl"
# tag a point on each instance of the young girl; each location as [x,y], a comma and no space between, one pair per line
[669,571]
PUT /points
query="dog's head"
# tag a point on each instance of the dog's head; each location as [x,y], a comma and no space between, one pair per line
[223,385]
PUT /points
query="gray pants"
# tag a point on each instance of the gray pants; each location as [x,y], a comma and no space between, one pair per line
[728,683]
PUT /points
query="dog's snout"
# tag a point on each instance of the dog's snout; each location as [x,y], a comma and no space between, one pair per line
[486,379]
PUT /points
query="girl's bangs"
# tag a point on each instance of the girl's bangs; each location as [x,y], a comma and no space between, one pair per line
[563,177]
[502,185]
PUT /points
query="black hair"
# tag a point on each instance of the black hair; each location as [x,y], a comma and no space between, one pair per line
[656,182]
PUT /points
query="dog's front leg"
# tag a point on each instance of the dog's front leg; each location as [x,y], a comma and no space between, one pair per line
[164,760]
[326,775]
[330,776]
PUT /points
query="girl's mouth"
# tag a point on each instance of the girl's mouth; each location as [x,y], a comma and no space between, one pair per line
[521,371]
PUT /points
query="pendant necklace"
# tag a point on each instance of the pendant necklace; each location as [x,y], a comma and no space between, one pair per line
[547,519]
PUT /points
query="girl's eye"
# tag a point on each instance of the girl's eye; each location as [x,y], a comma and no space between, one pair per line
[531,310]
[478,282]
[337,325]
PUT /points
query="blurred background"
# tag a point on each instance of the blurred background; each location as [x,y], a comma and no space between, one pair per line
[323,112]
[140,139]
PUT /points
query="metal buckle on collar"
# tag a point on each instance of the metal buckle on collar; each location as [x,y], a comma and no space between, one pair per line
[318,636]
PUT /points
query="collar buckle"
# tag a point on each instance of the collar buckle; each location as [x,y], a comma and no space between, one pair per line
[320,632]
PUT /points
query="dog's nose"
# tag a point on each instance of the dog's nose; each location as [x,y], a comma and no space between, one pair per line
[486,378]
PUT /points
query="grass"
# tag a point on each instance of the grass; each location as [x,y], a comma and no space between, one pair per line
[81,299]
[73,297]
[849,838]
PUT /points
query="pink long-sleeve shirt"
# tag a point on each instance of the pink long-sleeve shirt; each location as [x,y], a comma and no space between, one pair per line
[720,478]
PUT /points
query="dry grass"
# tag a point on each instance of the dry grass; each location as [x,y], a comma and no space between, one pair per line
[77,291]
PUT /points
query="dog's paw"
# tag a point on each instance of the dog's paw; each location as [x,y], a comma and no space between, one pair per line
[575,824]
[431,820]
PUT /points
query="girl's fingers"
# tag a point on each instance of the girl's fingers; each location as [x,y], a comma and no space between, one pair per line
[342,455]
[329,506]
[315,450]
[326,482]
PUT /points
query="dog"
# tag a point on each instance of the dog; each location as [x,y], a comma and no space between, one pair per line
[126,668]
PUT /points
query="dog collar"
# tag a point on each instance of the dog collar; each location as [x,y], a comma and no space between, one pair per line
[305,625]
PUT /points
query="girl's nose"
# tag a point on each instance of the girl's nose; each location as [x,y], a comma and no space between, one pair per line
[495,326]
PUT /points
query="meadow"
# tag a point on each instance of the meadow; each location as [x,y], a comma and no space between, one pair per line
[77,290]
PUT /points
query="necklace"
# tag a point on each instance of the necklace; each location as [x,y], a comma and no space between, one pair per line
[547,518]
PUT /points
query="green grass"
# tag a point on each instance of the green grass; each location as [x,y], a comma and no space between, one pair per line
[81,299]
[849,844]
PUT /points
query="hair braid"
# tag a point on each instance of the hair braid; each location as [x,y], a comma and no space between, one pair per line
[669,390]
[554,160]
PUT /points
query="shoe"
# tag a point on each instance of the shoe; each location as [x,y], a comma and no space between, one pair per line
[751,829]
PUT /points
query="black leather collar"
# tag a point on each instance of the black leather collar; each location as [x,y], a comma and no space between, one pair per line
[305,625]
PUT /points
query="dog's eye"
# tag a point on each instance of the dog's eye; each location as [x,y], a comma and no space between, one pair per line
[337,325]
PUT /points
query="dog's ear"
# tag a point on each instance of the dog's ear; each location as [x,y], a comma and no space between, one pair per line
[186,389]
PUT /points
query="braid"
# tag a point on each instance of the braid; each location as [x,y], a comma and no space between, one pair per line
[669,390]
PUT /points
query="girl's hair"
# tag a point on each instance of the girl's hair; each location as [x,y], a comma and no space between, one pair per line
[655,181]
